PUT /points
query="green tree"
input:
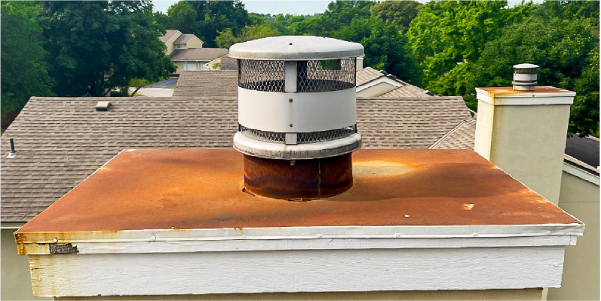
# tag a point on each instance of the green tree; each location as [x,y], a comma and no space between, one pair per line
[337,15]
[161,19]
[446,33]
[566,51]
[95,46]
[23,68]
[568,10]
[215,16]
[226,38]
[385,47]
[182,16]
[584,114]
[253,32]
[399,13]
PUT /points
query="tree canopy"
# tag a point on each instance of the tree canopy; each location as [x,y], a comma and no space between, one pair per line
[182,16]
[566,51]
[95,46]
[226,38]
[23,58]
[217,15]
[399,13]
[384,46]
[447,33]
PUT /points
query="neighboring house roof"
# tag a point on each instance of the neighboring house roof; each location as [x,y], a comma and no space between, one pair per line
[170,32]
[62,141]
[228,63]
[579,164]
[460,137]
[197,54]
[407,90]
[207,84]
[585,149]
[184,38]
[368,76]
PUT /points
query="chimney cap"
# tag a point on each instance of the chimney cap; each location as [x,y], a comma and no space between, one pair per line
[529,68]
[295,48]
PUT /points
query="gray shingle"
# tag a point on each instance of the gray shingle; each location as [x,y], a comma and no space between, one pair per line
[207,84]
[197,54]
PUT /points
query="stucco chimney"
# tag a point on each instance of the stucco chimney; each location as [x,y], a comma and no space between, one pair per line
[297,115]
[359,63]
[522,129]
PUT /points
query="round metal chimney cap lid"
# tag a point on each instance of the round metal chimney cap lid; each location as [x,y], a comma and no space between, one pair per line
[295,48]
[525,66]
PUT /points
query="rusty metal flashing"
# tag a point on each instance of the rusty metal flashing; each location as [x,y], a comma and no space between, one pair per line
[178,190]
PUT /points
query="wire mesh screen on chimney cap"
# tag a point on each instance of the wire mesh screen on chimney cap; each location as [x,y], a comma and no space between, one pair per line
[311,137]
[312,75]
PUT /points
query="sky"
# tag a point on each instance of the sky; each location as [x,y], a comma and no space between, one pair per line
[283,6]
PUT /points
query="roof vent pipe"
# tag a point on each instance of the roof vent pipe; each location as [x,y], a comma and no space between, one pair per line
[13,152]
[297,115]
[525,77]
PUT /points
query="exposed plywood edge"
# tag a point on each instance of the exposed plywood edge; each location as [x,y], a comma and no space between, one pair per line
[297,271]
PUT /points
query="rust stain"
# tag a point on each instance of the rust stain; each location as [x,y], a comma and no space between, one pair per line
[298,180]
[183,189]
[377,169]
[499,91]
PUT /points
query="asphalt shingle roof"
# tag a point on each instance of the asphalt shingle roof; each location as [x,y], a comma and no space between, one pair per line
[168,34]
[197,54]
[461,137]
[207,84]
[183,38]
[62,141]
[228,63]
[369,74]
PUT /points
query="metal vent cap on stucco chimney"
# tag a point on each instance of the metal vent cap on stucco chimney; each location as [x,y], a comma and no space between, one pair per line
[297,123]
[525,77]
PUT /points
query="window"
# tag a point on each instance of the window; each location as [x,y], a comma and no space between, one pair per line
[189,66]
[180,46]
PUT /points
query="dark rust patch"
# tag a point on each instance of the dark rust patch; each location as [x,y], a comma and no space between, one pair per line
[300,179]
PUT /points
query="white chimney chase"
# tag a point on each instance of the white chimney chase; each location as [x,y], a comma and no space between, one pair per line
[522,129]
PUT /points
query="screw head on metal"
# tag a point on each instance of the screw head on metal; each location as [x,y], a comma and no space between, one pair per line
[290,100]
[291,125]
